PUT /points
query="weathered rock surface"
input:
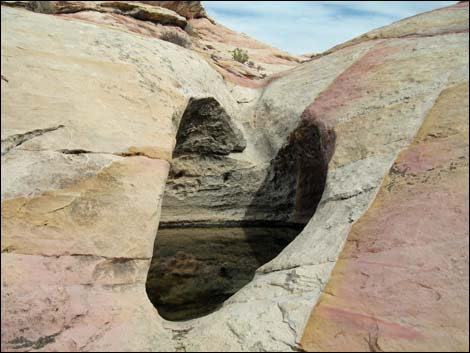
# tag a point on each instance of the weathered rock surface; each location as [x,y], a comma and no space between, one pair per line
[85,111]
[187,9]
[217,43]
[401,282]
[206,128]
[92,105]
[186,18]
[137,10]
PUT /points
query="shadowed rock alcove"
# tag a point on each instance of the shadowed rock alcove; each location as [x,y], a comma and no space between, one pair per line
[199,262]
[194,270]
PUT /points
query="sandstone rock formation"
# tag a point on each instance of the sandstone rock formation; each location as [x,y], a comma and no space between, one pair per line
[157,15]
[401,282]
[107,131]
[187,9]
[186,18]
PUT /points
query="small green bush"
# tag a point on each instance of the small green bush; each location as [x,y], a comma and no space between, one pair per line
[190,30]
[175,38]
[47,7]
[240,55]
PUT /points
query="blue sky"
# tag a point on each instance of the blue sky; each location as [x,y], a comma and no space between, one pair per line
[303,27]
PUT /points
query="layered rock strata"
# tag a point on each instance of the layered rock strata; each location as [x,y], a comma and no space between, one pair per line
[401,281]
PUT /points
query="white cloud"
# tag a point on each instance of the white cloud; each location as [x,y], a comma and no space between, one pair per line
[312,26]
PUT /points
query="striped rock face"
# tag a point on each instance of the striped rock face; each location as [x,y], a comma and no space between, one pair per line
[401,281]
[364,147]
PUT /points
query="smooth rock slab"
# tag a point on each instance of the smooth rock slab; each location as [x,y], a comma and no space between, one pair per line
[84,218]
[401,283]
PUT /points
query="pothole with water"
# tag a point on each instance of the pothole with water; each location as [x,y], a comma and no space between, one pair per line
[195,268]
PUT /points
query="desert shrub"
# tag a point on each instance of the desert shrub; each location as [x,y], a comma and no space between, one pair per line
[190,30]
[240,55]
[41,6]
[175,38]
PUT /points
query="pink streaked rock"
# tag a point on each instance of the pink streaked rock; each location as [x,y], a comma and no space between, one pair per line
[401,283]
[349,86]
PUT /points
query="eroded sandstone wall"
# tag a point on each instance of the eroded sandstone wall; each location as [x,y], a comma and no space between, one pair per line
[401,281]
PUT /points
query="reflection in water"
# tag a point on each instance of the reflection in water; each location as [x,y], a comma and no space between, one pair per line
[194,270]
